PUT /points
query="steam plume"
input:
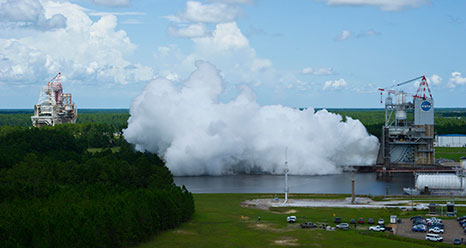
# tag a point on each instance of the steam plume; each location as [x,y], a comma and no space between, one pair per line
[199,135]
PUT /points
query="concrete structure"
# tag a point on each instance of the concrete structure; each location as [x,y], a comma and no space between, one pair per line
[54,106]
[450,140]
[408,132]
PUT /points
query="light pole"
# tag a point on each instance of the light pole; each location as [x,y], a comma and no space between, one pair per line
[352,186]
[286,176]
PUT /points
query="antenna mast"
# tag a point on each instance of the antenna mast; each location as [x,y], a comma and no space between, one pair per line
[286,175]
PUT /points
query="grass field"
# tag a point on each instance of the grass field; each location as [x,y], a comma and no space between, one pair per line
[94,150]
[218,222]
[454,153]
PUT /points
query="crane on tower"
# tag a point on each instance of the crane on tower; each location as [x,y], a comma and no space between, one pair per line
[420,91]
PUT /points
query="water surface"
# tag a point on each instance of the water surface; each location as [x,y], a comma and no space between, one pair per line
[365,183]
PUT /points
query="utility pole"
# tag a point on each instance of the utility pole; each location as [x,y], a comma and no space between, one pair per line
[352,186]
[286,176]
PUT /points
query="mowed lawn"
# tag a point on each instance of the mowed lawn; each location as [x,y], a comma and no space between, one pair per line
[454,153]
[220,221]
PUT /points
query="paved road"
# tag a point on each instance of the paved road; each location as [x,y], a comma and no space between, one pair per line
[452,231]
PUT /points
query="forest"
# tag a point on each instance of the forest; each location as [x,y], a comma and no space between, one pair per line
[83,185]
[54,193]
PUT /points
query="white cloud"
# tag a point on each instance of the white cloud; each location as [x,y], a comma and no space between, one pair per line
[343,36]
[188,31]
[226,36]
[456,79]
[196,134]
[227,47]
[318,71]
[84,51]
[29,14]
[260,64]
[370,32]
[386,5]
[131,21]
[126,13]
[233,1]
[335,84]
[111,3]
[435,79]
[207,13]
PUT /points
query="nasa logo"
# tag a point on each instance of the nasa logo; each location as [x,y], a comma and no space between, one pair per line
[426,106]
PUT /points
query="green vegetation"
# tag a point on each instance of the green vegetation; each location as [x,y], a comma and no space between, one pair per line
[454,153]
[447,120]
[218,222]
[54,193]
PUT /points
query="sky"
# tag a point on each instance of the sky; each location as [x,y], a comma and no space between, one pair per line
[296,53]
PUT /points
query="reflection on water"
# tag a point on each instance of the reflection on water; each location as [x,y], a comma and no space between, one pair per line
[366,183]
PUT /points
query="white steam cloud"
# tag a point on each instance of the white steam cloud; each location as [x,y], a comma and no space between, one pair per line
[197,134]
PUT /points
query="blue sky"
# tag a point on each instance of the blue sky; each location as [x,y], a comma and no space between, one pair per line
[327,53]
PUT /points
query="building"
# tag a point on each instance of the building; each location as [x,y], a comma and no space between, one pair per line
[54,106]
[408,132]
[450,140]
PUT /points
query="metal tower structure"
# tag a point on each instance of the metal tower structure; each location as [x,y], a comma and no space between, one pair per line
[408,132]
[54,106]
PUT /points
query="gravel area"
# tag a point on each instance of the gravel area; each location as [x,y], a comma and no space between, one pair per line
[452,231]
[360,202]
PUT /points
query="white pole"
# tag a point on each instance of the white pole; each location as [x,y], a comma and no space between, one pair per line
[286,176]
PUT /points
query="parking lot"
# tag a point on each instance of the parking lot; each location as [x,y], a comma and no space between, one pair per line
[452,231]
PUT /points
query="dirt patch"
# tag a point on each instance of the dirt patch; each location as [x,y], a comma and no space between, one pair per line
[286,241]
[291,211]
[255,204]
[264,226]
[184,232]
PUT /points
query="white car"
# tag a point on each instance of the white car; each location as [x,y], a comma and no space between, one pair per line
[434,237]
[381,222]
[291,219]
[436,230]
[377,228]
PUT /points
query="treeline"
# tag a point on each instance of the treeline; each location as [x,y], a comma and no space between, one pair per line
[118,120]
[447,121]
[53,193]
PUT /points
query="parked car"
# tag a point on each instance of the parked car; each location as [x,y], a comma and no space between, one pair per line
[381,222]
[308,225]
[389,229]
[361,220]
[377,228]
[434,237]
[291,219]
[343,226]
[436,230]
[461,218]
[419,222]
[352,221]
[337,220]
[416,217]
[457,242]
[370,221]
[419,228]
